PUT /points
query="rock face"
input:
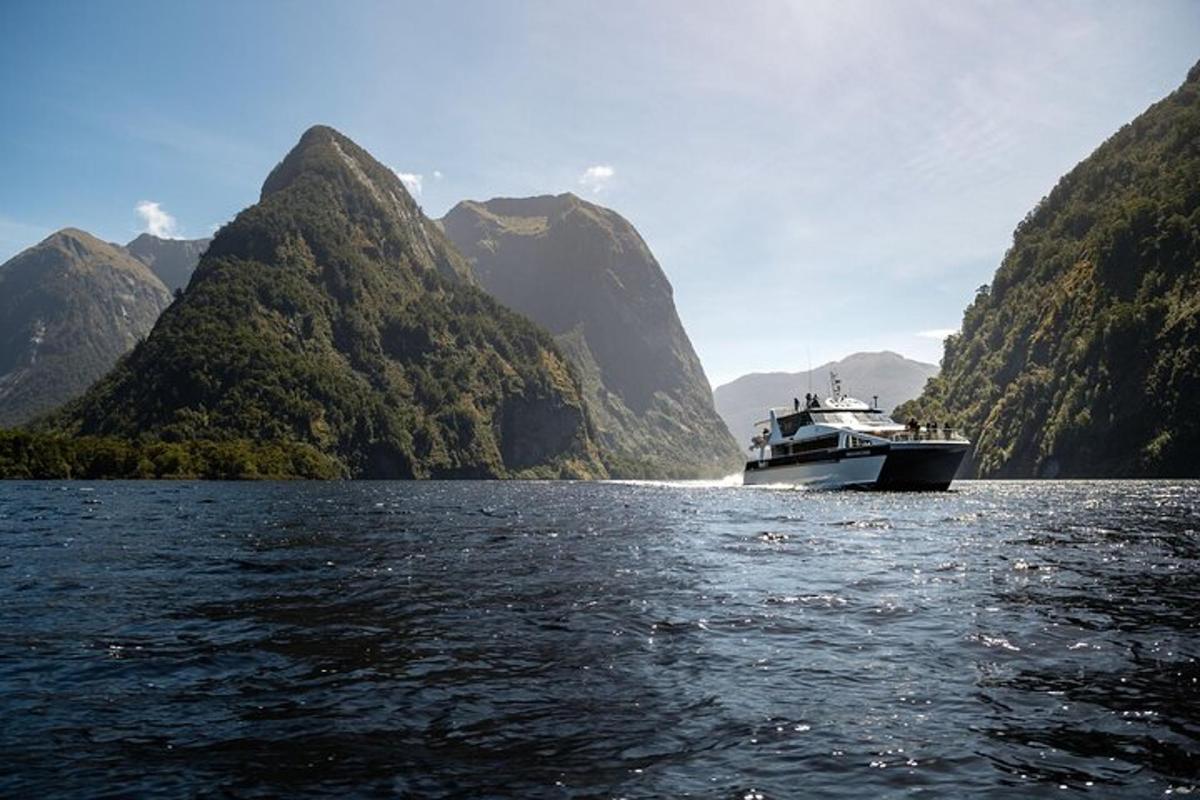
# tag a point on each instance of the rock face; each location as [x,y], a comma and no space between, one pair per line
[69,308]
[583,272]
[333,313]
[1082,358]
[172,260]
[891,376]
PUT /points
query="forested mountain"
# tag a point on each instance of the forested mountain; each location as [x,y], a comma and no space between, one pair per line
[585,274]
[1082,358]
[891,376]
[172,260]
[69,308]
[334,315]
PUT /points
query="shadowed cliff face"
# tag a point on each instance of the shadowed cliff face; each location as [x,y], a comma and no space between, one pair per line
[335,314]
[69,308]
[1082,358]
[585,274]
[172,260]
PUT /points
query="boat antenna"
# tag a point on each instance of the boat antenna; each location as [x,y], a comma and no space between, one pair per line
[809,351]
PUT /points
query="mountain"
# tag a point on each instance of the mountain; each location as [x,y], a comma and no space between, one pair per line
[891,376]
[1082,358]
[69,308]
[335,315]
[585,274]
[172,260]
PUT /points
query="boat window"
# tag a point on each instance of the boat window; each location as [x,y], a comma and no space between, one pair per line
[853,417]
[793,422]
[816,443]
[873,418]
[835,418]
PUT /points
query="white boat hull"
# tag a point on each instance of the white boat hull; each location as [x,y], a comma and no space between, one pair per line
[846,472]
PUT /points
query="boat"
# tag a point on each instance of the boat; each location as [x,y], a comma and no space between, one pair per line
[843,443]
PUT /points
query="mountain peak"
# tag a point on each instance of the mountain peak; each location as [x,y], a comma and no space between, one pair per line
[885,355]
[327,169]
[325,152]
[542,205]
[534,216]
[172,260]
[586,275]
[72,233]
[81,251]
[70,306]
[149,239]
[74,238]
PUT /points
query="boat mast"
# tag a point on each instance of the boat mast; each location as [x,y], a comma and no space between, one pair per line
[835,385]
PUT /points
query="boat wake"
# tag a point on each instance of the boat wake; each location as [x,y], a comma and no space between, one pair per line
[729,481]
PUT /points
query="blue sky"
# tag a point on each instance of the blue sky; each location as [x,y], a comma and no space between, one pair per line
[815,178]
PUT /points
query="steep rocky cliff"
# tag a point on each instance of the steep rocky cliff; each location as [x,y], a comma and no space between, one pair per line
[585,274]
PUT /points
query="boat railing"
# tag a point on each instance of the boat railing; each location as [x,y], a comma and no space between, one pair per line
[928,435]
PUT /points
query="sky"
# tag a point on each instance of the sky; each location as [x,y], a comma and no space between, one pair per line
[815,178]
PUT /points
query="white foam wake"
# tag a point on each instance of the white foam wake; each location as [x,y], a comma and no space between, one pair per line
[731,480]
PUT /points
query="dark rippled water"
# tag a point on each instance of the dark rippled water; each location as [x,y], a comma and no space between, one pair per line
[598,640]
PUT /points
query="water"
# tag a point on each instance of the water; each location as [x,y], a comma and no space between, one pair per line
[598,640]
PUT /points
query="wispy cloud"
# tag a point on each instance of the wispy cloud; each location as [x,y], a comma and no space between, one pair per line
[596,178]
[411,181]
[157,221]
[937,333]
[437,174]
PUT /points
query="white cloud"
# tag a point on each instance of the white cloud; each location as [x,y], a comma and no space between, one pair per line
[437,174]
[596,177]
[937,333]
[158,222]
[411,181]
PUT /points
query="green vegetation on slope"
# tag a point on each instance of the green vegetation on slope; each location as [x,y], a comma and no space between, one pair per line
[334,314]
[585,273]
[25,455]
[1083,356]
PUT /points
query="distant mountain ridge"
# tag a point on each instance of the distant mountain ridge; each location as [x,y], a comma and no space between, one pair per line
[891,376]
[172,260]
[70,307]
[334,315]
[1082,358]
[585,274]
